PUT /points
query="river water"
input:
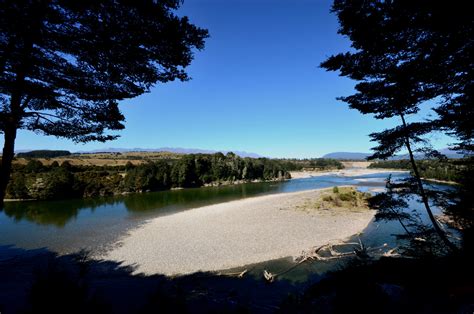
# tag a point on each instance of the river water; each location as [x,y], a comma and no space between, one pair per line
[70,225]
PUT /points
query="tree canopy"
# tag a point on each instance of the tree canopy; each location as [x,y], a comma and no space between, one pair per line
[36,180]
[405,54]
[65,65]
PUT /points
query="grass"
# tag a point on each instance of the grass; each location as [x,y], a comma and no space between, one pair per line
[347,198]
[105,159]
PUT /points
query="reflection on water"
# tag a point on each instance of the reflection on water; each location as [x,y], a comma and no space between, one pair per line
[57,213]
[68,225]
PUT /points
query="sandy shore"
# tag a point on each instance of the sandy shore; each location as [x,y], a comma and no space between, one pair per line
[235,233]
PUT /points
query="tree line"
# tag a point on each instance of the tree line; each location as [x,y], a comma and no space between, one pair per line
[35,180]
[45,153]
[445,170]
[319,164]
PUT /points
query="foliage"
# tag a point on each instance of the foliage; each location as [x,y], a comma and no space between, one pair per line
[445,170]
[34,166]
[17,189]
[195,170]
[396,203]
[390,285]
[66,64]
[406,54]
[342,197]
[151,176]
[37,181]
[44,154]
[312,163]
[52,184]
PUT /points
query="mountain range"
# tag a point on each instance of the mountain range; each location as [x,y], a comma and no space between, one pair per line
[362,156]
[179,150]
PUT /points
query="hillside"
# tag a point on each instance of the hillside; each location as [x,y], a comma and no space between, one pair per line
[347,155]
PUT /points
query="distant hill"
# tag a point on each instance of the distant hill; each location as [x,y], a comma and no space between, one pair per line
[347,156]
[362,156]
[177,150]
[450,153]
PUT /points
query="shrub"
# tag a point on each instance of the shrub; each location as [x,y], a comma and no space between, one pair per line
[34,166]
[44,154]
[327,198]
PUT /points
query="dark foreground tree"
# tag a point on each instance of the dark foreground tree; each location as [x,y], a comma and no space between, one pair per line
[407,53]
[65,64]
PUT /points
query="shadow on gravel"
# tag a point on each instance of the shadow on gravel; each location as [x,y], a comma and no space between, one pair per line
[40,281]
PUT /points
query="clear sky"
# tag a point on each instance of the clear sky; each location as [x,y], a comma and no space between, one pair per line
[256,87]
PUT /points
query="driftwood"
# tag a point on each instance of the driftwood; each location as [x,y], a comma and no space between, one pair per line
[239,274]
[315,254]
[268,276]
[325,252]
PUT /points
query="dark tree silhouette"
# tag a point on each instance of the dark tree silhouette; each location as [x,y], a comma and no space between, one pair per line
[405,54]
[66,64]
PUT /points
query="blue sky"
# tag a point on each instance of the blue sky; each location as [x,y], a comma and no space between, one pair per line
[256,87]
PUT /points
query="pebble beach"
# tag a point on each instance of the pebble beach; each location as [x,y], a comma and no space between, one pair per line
[235,233]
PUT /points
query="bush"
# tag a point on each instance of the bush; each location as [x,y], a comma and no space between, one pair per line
[34,166]
[327,198]
[344,197]
[348,196]
[17,187]
[44,154]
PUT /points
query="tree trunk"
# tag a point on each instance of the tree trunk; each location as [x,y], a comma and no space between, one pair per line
[423,195]
[12,120]
[7,158]
[11,123]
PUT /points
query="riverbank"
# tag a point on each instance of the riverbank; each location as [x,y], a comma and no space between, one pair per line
[235,233]
[350,172]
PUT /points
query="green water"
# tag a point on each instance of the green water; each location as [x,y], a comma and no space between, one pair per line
[95,224]
[69,225]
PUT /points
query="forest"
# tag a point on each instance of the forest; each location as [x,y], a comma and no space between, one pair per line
[45,153]
[35,180]
[438,169]
[318,164]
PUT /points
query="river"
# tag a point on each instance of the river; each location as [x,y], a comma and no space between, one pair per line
[67,226]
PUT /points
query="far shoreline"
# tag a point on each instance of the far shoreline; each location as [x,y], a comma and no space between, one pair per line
[347,172]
